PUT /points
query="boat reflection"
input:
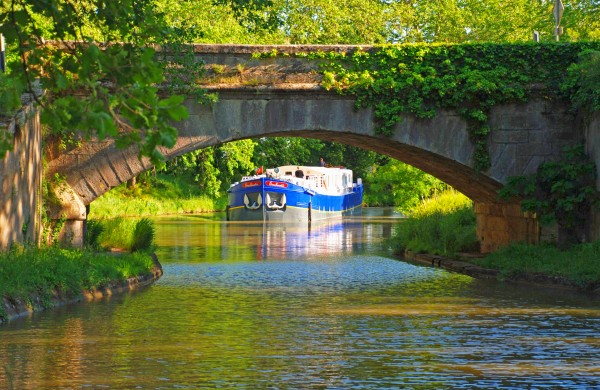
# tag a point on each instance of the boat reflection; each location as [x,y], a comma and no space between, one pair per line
[211,239]
[278,241]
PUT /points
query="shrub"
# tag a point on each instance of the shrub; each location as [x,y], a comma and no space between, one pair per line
[118,233]
[143,235]
[560,191]
[92,239]
[443,225]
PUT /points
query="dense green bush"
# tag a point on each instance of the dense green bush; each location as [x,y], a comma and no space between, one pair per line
[118,233]
[444,225]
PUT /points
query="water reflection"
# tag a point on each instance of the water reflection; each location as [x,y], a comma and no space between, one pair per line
[245,308]
[209,238]
[293,241]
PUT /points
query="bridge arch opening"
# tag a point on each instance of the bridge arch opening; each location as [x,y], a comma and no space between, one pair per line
[439,146]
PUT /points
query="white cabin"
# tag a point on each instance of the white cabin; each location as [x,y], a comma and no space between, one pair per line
[334,181]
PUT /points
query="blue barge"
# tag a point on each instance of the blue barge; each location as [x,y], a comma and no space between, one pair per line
[295,193]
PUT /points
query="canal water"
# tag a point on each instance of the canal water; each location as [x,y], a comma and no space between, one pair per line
[279,307]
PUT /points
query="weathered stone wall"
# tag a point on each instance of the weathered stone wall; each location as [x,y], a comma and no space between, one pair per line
[499,224]
[593,150]
[21,175]
[527,135]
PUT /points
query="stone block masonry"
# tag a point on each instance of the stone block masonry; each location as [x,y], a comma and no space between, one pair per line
[499,224]
[21,175]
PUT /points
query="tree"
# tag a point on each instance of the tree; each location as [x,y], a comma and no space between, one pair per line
[330,21]
[234,159]
[401,185]
[277,151]
[583,82]
[581,20]
[222,21]
[108,89]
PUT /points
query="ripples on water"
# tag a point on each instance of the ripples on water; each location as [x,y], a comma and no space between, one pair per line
[245,308]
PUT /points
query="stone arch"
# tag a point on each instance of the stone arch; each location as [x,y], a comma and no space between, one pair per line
[439,146]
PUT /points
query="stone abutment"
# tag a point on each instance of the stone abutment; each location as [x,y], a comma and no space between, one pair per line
[21,175]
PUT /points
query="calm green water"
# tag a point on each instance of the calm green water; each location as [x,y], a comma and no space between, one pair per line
[242,306]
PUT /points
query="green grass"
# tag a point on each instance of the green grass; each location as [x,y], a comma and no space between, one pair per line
[443,225]
[143,235]
[117,233]
[580,265]
[127,234]
[28,272]
[159,195]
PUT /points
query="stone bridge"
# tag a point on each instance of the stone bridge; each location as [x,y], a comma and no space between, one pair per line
[281,96]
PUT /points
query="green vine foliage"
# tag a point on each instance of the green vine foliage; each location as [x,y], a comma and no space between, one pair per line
[583,81]
[562,191]
[421,79]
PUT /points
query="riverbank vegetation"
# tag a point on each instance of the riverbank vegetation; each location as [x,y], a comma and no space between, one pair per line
[152,195]
[578,266]
[120,234]
[44,274]
[444,225]
[41,277]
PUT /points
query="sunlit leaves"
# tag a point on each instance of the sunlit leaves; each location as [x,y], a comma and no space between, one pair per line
[583,81]
[110,89]
[401,185]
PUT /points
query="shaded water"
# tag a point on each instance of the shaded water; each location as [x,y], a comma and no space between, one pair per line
[243,306]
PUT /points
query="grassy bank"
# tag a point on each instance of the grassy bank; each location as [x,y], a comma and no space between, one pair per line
[154,195]
[446,226]
[43,273]
[579,266]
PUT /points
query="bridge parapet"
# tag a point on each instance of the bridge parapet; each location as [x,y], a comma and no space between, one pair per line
[240,67]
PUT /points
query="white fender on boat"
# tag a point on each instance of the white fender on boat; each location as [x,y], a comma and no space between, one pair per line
[254,205]
[273,205]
